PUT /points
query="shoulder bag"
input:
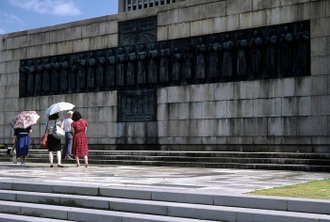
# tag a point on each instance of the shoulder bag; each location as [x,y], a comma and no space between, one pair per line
[58,132]
[43,141]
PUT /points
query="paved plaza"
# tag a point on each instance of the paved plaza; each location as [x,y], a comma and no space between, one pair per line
[231,181]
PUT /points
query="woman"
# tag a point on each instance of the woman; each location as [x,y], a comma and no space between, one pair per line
[80,146]
[22,138]
[53,143]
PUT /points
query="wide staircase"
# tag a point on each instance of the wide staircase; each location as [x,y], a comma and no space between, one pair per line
[20,201]
[318,162]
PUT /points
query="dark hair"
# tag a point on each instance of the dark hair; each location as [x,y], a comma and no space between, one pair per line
[54,116]
[76,116]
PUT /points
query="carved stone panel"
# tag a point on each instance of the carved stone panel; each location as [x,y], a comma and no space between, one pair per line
[277,51]
[138,31]
[137,105]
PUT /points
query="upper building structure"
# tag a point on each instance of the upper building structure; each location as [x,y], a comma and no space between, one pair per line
[132,5]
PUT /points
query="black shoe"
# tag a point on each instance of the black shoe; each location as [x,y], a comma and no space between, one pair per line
[51,165]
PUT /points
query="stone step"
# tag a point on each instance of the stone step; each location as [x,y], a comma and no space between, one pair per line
[44,158]
[82,214]
[114,202]
[197,154]
[308,205]
[245,160]
[19,218]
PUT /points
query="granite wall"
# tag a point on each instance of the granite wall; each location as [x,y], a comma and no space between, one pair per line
[283,114]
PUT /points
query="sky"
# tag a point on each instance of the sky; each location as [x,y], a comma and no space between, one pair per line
[20,15]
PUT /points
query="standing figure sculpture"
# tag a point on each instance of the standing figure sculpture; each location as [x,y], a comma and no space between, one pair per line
[99,78]
[227,62]
[30,81]
[271,54]
[141,67]
[286,51]
[120,68]
[81,74]
[110,71]
[302,38]
[164,77]
[130,75]
[200,61]
[255,44]
[64,75]
[23,80]
[214,49]
[91,63]
[176,65]
[46,77]
[152,66]
[241,57]
[38,79]
[188,63]
[55,76]
[72,84]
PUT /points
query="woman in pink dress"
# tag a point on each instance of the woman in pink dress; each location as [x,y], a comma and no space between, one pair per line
[80,146]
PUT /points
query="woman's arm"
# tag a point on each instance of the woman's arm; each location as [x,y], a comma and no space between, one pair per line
[86,129]
[73,132]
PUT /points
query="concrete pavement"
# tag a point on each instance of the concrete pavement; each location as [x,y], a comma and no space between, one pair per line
[231,181]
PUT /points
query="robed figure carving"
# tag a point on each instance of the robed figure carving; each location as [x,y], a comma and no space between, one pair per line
[110,71]
[23,79]
[91,63]
[64,75]
[255,44]
[130,75]
[120,68]
[141,67]
[152,66]
[286,51]
[271,54]
[72,76]
[30,81]
[99,79]
[165,53]
[176,65]
[55,76]
[214,49]
[227,62]
[81,73]
[241,57]
[38,78]
[46,77]
[200,61]
[188,63]
[302,39]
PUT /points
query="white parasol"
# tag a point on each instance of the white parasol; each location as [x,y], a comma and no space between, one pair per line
[58,107]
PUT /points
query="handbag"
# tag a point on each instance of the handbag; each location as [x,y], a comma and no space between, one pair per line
[43,141]
[13,150]
[58,132]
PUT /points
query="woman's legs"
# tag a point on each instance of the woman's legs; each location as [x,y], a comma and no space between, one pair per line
[77,160]
[58,154]
[86,160]
[51,158]
[23,159]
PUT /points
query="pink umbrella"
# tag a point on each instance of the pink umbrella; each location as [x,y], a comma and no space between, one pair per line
[24,119]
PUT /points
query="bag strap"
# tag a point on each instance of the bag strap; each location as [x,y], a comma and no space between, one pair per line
[46,126]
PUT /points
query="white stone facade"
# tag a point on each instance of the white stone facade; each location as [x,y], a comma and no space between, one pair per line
[291,114]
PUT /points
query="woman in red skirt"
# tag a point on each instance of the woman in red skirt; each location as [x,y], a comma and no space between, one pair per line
[79,146]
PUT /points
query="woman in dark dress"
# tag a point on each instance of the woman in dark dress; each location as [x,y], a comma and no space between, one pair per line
[53,143]
[22,138]
[80,145]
